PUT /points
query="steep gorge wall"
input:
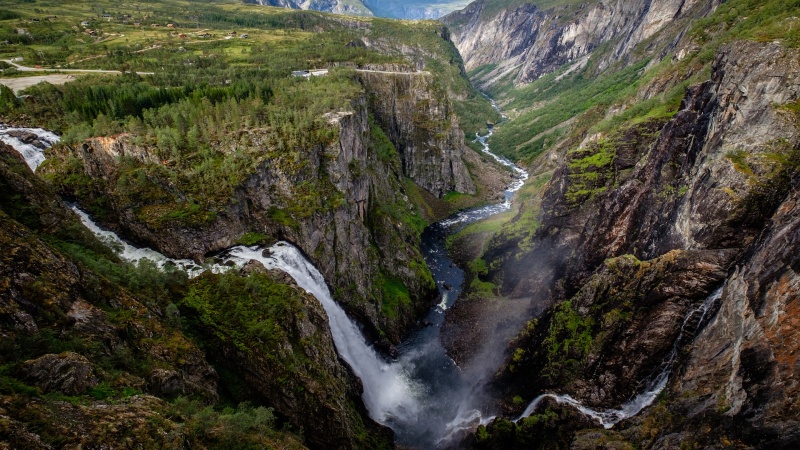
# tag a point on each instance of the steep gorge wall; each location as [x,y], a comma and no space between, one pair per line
[708,198]
[418,118]
[523,42]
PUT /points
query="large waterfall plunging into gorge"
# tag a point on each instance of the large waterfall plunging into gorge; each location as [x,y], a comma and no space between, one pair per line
[422,395]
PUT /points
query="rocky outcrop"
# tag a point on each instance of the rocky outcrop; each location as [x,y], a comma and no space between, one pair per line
[525,42]
[419,120]
[68,373]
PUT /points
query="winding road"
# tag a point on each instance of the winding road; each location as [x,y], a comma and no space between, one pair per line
[17,84]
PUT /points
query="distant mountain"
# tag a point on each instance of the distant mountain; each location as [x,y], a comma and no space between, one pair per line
[415,9]
[353,7]
[398,9]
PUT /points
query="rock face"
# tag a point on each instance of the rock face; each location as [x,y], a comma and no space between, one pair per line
[69,373]
[709,200]
[351,7]
[420,122]
[525,42]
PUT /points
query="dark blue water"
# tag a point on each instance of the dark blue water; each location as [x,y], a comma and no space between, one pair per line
[446,396]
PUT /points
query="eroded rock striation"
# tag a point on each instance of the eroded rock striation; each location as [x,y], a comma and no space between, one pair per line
[524,42]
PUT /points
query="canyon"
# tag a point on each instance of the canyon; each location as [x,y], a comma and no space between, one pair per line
[609,262]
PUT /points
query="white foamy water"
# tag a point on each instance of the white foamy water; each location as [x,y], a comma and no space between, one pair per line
[388,392]
[133,254]
[520,175]
[610,417]
[32,152]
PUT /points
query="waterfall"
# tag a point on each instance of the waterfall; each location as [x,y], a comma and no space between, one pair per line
[33,154]
[610,417]
[388,392]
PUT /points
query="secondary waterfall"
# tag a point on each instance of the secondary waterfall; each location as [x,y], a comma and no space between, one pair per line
[610,417]
[33,150]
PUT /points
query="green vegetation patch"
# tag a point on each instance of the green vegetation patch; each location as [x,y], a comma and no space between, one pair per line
[396,297]
[558,100]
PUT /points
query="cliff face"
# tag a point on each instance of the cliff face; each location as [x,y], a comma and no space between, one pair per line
[419,120]
[343,203]
[405,9]
[524,42]
[707,200]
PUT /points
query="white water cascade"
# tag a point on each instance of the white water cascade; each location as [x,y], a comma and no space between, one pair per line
[133,254]
[388,392]
[32,152]
[520,175]
[610,417]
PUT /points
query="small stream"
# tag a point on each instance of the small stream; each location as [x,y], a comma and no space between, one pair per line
[610,417]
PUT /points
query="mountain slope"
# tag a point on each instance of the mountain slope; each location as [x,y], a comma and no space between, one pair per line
[672,168]
[349,7]
[519,42]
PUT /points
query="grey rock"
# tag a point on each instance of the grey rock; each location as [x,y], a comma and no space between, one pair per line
[68,373]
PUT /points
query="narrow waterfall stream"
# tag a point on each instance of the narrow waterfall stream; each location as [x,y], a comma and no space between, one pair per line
[610,417]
